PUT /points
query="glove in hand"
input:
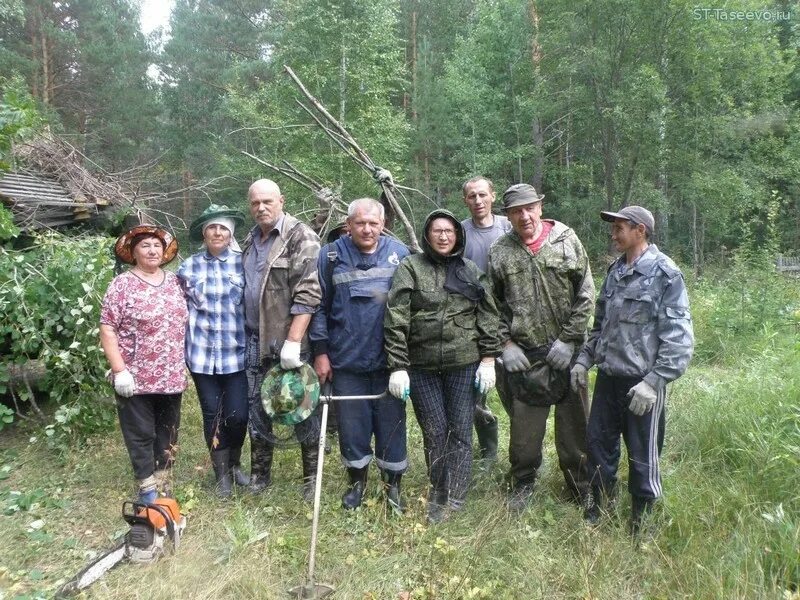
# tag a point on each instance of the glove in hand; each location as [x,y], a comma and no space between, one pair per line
[399,385]
[560,354]
[643,397]
[514,358]
[124,384]
[485,377]
[577,377]
[290,355]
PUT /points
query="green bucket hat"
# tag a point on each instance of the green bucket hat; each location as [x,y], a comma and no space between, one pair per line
[290,396]
[214,211]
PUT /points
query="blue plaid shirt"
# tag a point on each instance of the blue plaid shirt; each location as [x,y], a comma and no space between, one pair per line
[214,288]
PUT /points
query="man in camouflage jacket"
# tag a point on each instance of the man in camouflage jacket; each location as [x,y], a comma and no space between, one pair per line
[641,339]
[281,294]
[543,285]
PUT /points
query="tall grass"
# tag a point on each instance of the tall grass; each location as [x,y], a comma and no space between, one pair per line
[727,528]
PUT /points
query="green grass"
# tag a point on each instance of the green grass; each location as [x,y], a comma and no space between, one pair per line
[729,525]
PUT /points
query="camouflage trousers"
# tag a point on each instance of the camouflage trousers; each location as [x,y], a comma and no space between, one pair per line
[259,426]
[528,428]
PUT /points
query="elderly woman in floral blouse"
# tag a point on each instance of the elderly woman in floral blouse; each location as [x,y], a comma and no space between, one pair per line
[142,329]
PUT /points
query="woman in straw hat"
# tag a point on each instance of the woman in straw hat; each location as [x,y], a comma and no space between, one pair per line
[142,328]
[213,281]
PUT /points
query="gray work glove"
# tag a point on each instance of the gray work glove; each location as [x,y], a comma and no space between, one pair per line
[577,377]
[124,384]
[560,354]
[514,358]
[643,397]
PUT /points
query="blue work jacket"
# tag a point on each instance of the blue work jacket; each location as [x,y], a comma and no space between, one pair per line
[348,326]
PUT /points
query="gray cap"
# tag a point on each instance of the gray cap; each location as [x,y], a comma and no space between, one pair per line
[634,214]
[520,194]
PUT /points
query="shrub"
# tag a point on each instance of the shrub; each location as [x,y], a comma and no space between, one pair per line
[50,297]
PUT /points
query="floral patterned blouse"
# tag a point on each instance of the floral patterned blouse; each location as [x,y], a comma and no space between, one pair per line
[150,322]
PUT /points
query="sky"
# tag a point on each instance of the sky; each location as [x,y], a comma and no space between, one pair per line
[155,13]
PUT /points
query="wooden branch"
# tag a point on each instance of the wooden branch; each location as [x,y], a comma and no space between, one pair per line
[351,148]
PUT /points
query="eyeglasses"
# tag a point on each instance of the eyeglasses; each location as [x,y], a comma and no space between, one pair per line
[443,232]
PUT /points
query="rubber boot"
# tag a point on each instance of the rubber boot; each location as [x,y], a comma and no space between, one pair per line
[260,465]
[240,478]
[520,496]
[309,457]
[148,490]
[486,428]
[592,506]
[222,472]
[358,486]
[391,482]
[640,509]
[437,506]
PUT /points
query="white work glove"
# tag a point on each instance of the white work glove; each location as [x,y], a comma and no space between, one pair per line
[577,377]
[124,384]
[643,397]
[485,377]
[560,354]
[399,385]
[290,355]
[514,358]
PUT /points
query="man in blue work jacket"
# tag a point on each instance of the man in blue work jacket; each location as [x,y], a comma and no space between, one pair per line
[355,274]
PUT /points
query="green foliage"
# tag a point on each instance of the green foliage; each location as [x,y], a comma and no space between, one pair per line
[8,230]
[19,118]
[50,298]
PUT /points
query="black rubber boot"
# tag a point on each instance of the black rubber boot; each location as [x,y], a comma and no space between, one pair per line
[486,428]
[437,506]
[520,496]
[240,478]
[222,472]
[640,509]
[391,483]
[358,486]
[592,505]
[260,466]
[309,457]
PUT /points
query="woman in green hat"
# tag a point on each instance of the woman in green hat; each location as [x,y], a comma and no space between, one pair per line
[213,282]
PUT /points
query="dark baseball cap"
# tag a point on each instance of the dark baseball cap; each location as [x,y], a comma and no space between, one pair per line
[520,194]
[635,214]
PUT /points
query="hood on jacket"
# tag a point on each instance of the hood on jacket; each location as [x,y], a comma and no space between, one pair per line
[458,249]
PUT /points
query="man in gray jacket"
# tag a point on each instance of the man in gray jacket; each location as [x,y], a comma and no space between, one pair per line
[641,339]
[281,294]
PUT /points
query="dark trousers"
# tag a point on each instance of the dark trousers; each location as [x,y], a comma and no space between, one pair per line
[528,427]
[224,404]
[260,424]
[444,406]
[358,420]
[644,437]
[150,424]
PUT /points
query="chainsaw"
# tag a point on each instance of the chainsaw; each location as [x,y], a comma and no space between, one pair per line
[152,526]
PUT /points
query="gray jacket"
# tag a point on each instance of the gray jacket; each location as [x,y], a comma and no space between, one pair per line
[642,326]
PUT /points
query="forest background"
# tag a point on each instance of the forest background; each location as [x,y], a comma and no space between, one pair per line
[688,109]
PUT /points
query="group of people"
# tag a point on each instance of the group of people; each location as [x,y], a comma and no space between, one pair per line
[490,301]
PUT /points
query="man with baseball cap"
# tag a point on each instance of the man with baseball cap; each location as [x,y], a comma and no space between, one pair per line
[641,339]
[541,278]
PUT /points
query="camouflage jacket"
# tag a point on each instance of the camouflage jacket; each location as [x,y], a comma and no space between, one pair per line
[542,296]
[290,277]
[642,326]
[429,328]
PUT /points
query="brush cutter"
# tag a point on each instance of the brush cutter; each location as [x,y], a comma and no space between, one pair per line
[152,526]
[312,590]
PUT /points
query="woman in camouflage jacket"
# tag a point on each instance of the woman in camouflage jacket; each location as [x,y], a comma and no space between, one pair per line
[441,339]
